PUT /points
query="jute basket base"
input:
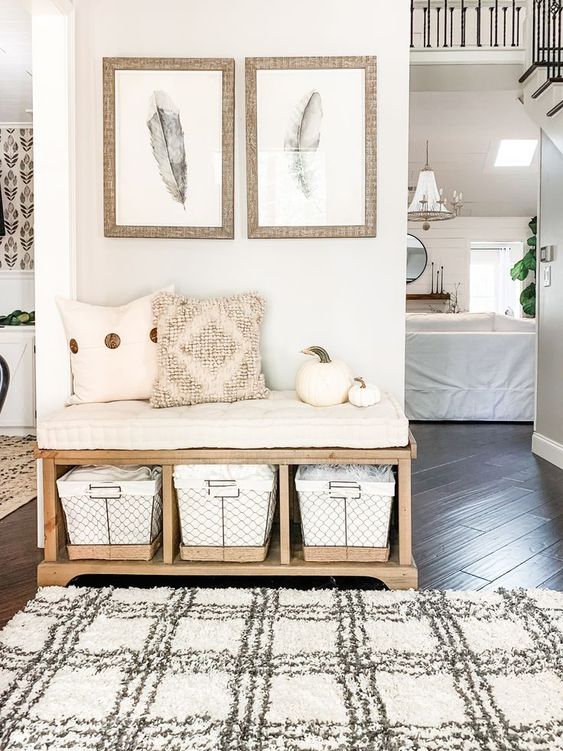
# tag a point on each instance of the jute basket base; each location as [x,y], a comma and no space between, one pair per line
[114,552]
[234,555]
[345,554]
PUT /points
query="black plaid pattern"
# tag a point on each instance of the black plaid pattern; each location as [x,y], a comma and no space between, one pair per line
[261,669]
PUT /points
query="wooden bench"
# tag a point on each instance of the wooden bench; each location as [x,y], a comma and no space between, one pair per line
[285,556]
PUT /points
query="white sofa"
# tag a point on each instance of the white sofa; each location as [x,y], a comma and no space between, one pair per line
[470,366]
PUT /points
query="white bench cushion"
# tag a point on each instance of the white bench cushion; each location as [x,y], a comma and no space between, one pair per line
[281,421]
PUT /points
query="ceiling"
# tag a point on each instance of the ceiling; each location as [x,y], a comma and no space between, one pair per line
[464,129]
[15,63]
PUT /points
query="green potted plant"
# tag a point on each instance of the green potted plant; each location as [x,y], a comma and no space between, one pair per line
[523,268]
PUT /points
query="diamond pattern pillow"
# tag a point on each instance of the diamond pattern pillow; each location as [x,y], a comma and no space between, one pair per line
[208,350]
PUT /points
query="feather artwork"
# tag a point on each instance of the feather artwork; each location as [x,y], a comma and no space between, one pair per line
[168,147]
[302,140]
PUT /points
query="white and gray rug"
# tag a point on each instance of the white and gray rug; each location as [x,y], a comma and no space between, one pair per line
[236,669]
[18,476]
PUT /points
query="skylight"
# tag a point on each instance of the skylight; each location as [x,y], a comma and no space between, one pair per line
[516,152]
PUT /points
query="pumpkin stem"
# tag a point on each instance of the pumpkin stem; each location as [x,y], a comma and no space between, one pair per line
[321,353]
[361,381]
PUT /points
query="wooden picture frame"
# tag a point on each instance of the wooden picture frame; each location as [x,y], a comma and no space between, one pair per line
[367,209]
[221,192]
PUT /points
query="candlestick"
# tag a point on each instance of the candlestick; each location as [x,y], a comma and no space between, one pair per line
[442,279]
[438,281]
[432,277]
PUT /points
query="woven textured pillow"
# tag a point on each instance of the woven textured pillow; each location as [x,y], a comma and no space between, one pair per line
[208,350]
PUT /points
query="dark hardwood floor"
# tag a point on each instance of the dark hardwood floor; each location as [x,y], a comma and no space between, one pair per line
[19,557]
[486,513]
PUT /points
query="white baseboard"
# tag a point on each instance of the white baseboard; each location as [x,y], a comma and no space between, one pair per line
[20,432]
[549,450]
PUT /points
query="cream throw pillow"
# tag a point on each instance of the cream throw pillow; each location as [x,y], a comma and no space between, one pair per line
[113,351]
[208,350]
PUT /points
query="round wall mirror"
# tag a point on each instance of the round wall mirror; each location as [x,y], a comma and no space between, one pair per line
[417,258]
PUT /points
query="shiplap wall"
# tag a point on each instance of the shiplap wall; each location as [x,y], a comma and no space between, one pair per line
[448,244]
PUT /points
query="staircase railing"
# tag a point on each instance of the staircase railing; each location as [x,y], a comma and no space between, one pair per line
[546,46]
[494,24]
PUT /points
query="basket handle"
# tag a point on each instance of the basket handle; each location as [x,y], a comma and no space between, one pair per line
[344,489]
[222,488]
[104,490]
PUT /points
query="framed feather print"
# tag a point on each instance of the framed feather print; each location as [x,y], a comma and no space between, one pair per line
[168,147]
[311,146]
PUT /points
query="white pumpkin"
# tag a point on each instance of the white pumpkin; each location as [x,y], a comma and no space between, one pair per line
[323,382]
[363,394]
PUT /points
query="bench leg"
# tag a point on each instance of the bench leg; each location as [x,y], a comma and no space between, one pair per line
[170,522]
[285,541]
[50,505]
[405,520]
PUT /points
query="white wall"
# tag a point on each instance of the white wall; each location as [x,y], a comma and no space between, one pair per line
[548,436]
[16,291]
[449,245]
[347,295]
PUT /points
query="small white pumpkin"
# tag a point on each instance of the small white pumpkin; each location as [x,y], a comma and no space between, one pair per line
[323,382]
[363,394]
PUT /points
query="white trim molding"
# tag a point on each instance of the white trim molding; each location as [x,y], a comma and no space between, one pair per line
[53,113]
[16,125]
[547,449]
[9,274]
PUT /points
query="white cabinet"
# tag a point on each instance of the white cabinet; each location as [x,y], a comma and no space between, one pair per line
[17,348]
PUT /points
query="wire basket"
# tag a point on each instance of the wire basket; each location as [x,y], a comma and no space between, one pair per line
[228,515]
[105,518]
[345,520]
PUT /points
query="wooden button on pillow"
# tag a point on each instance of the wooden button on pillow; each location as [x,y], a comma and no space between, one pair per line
[208,350]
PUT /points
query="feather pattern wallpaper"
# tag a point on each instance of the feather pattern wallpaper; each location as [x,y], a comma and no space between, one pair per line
[302,139]
[168,144]
[16,185]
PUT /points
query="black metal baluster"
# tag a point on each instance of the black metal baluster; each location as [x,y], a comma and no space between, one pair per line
[479,11]
[518,26]
[559,40]
[445,23]
[491,24]
[412,23]
[513,43]
[547,43]
[424,29]
[429,20]
[452,27]
[537,10]
[504,9]
[543,43]
[462,21]
[556,41]
[496,23]
[438,9]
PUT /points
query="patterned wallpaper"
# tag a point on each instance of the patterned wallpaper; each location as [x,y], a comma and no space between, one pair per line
[16,185]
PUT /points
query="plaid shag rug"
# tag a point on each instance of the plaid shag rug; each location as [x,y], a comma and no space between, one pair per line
[18,476]
[244,669]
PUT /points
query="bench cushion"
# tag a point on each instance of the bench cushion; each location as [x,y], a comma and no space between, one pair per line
[281,421]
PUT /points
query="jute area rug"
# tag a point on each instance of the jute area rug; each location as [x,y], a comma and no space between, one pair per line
[18,476]
[128,669]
